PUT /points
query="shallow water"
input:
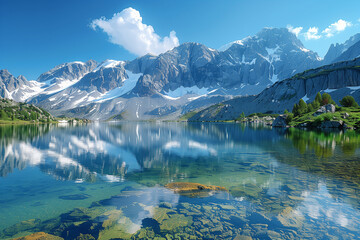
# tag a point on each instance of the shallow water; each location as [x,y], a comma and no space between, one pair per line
[108,181]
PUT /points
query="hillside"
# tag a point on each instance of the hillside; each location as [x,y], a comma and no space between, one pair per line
[338,79]
[14,112]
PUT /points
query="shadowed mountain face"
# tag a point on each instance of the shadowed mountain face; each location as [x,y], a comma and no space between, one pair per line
[338,79]
[336,50]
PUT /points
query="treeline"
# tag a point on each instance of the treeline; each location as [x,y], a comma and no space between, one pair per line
[321,100]
[13,111]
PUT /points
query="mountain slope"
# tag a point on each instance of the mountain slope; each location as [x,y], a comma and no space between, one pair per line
[11,111]
[15,88]
[336,50]
[339,79]
[108,80]
[351,53]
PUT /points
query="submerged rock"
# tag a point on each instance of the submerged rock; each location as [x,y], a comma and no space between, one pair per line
[193,189]
[21,227]
[40,236]
[81,196]
[175,221]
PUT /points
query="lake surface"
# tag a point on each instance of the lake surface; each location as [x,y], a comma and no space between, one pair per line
[107,181]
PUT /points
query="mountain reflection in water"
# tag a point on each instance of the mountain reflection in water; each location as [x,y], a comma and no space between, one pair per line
[287,180]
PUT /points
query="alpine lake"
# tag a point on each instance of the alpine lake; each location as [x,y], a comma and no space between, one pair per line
[169,180]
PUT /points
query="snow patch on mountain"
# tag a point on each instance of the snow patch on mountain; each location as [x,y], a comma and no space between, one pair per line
[108,64]
[228,45]
[127,86]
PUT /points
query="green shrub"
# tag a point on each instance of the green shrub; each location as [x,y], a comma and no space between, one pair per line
[348,101]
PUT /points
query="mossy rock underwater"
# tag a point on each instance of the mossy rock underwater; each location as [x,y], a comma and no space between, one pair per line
[193,189]
[40,236]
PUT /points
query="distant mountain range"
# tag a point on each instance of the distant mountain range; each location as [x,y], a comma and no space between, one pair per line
[188,77]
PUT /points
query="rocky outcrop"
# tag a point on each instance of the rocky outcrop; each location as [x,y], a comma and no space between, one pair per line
[328,108]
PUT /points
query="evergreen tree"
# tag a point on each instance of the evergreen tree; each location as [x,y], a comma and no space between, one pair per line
[295,110]
[3,115]
[326,99]
[302,107]
[318,98]
[348,101]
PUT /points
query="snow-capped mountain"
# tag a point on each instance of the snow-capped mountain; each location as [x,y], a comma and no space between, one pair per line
[107,80]
[188,77]
[244,67]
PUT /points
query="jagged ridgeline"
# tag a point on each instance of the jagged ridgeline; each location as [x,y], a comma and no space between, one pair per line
[14,111]
[187,78]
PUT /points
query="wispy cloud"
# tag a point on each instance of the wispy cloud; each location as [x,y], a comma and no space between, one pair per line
[294,30]
[312,33]
[336,27]
[127,30]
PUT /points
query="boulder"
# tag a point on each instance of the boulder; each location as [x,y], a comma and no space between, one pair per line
[280,121]
[329,108]
[193,189]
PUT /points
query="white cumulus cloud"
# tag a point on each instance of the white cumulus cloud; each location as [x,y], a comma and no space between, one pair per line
[127,29]
[312,33]
[293,30]
[336,27]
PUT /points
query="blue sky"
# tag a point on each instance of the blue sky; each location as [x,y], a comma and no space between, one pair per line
[38,35]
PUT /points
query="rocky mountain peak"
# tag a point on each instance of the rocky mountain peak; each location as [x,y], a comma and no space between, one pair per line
[338,49]
[68,71]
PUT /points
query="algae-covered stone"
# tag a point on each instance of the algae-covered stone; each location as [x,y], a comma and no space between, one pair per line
[175,221]
[85,237]
[112,217]
[165,205]
[40,236]
[288,219]
[193,189]
[22,227]
[242,237]
[123,230]
[160,214]
[226,207]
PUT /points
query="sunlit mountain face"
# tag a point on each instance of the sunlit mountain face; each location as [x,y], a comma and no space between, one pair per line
[109,179]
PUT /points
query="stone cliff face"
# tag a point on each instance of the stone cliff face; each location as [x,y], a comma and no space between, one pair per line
[338,79]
